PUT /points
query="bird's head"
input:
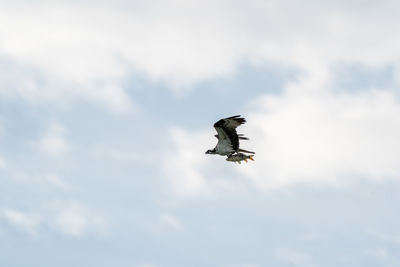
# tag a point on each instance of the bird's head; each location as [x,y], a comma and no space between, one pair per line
[210,151]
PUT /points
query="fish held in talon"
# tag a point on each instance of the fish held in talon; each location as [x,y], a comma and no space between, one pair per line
[238,157]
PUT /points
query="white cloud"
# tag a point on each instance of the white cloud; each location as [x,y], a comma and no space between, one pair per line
[305,135]
[71,222]
[110,153]
[67,217]
[243,265]
[309,133]
[76,219]
[26,221]
[324,137]
[37,180]
[182,168]
[295,258]
[146,265]
[165,223]
[57,181]
[3,163]
[55,51]
[378,253]
[386,236]
[53,140]
[172,221]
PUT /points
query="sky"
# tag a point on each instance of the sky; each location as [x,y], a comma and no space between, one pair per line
[106,111]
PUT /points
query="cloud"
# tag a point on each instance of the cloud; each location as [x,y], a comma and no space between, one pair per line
[307,135]
[146,265]
[48,180]
[110,153]
[56,181]
[53,141]
[75,219]
[26,221]
[172,221]
[183,168]
[64,50]
[385,236]
[70,218]
[321,137]
[312,133]
[378,253]
[295,258]
[3,163]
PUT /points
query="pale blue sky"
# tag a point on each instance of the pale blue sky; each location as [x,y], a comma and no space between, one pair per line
[106,111]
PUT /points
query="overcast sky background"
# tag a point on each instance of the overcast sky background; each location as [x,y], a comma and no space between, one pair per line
[106,110]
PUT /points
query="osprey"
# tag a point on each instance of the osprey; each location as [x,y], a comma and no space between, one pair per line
[228,139]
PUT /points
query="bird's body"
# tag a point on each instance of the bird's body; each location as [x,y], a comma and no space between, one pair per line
[228,138]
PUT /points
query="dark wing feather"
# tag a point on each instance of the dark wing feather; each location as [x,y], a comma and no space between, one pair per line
[227,127]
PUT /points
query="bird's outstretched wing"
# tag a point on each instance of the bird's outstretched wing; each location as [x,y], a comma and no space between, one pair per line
[226,129]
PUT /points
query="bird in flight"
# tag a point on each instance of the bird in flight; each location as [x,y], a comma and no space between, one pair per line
[228,140]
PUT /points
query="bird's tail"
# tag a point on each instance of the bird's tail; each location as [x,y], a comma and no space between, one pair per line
[242,137]
[246,151]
